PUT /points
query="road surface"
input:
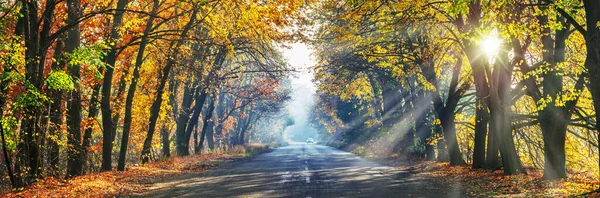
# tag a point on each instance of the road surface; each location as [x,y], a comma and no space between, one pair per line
[303,170]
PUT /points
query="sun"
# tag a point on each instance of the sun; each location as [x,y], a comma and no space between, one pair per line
[490,45]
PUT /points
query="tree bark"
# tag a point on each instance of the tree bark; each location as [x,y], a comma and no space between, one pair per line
[501,114]
[44,44]
[477,63]
[56,114]
[206,121]
[245,125]
[183,118]
[165,131]
[92,113]
[592,62]
[132,87]
[155,108]
[481,121]
[9,169]
[553,119]
[446,112]
[166,143]
[30,130]
[75,153]
[200,99]
[492,161]
[210,139]
[449,129]
[196,140]
[220,117]
[107,123]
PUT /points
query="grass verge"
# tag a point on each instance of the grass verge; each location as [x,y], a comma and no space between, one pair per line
[485,183]
[135,179]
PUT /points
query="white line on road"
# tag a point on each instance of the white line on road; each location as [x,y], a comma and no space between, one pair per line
[308,180]
[306,168]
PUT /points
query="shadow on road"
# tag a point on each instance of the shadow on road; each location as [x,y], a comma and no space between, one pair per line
[303,170]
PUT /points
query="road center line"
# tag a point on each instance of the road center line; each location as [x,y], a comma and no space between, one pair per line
[308,180]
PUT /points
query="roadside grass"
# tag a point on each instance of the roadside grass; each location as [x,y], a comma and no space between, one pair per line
[485,183]
[134,179]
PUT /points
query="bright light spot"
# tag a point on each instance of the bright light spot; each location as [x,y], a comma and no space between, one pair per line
[491,45]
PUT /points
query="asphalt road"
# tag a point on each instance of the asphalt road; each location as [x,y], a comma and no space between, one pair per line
[303,170]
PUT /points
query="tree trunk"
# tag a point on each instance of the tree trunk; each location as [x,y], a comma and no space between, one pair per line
[166,143]
[133,86]
[477,63]
[446,112]
[196,140]
[154,113]
[481,121]
[449,130]
[9,169]
[592,62]
[75,153]
[442,154]
[210,139]
[206,121]
[155,108]
[200,99]
[245,126]
[553,119]
[183,118]
[44,44]
[110,59]
[92,113]
[55,115]
[220,117]
[481,112]
[492,154]
[165,131]
[502,101]
[28,26]
[492,160]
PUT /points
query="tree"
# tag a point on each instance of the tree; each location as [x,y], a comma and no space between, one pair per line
[133,87]
[110,60]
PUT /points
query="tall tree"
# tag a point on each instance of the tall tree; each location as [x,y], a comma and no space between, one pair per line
[155,108]
[75,151]
[107,120]
[133,86]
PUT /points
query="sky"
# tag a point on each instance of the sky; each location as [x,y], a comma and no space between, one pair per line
[299,57]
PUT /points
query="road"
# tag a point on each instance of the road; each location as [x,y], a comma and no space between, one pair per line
[303,170]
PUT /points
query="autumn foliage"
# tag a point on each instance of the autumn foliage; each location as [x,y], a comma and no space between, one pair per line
[93,86]
[135,180]
[498,85]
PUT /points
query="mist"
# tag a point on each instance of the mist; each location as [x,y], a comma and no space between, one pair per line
[299,57]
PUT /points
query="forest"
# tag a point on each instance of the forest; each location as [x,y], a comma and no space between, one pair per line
[91,86]
[499,85]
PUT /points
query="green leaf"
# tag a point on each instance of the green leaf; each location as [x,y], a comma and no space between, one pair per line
[59,80]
